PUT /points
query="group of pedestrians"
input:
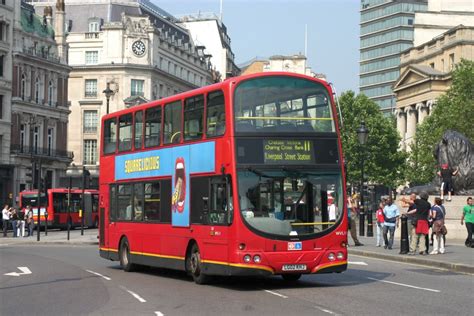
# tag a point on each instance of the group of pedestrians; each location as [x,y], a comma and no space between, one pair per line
[20,221]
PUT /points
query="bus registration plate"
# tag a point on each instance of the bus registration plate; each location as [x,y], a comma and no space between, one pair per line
[294,267]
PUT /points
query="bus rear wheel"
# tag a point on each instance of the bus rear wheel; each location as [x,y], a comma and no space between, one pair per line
[124,256]
[195,266]
[291,277]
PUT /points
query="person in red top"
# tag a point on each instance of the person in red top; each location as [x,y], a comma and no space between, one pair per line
[380,221]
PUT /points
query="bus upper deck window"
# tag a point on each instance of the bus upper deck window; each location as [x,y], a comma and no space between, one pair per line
[138,130]
[215,114]
[193,115]
[125,132]
[152,127]
[110,136]
[172,123]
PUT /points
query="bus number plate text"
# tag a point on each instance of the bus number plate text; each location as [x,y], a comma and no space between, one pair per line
[294,267]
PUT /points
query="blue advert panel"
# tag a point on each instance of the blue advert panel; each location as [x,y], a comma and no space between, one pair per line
[178,162]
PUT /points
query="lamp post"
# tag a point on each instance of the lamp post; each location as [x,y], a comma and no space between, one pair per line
[362,135]
[108,93]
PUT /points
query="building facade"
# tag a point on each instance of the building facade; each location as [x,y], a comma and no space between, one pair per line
[130,48]
[295,63]
[6,44]
[426,75]
[39,103]
[209,31]
[386,29]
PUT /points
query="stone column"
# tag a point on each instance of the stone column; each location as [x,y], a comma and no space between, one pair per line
[411,125]
[401,125]
[422,109]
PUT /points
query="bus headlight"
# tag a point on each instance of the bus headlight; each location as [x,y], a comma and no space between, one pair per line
[247,258]
[257,259]
[331,256]
[340,256]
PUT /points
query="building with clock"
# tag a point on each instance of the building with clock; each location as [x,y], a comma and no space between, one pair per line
[131,49]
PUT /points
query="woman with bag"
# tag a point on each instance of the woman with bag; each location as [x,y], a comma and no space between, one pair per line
[438,214]
[380,220]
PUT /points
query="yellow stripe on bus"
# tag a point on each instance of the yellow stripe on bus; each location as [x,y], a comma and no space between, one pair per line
[239,265]
[156,255]
[284,118]
[328,266]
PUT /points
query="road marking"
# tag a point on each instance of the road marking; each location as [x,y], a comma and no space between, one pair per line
[358,263]
[275,293]
[102,276]
[135,295]
[159,314]
[24,270]
[326,310]
[406,285]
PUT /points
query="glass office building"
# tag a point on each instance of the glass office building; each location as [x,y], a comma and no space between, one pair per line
[386,29]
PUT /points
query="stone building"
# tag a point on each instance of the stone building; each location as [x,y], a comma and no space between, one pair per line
[426,75]
[6,44]
[209,31]
[39,103]
[131,47]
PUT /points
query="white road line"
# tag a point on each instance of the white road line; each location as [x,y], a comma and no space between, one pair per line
[358,263]
[275,293]
[159,314]
[135,295]
[406,285]
[102,276]
[326,310]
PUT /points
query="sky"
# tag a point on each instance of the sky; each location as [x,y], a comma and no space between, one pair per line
[265,28]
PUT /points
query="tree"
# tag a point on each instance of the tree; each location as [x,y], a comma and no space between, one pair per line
[454,110]
[383,162]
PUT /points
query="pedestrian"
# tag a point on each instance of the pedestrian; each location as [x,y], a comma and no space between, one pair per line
[5,219]
[29,220]
[421,211]
[14,220]
[21,224]
[391,218]
[380,220]
[352,213]
[411,220]
[446,174]
[438,214]
[468,217]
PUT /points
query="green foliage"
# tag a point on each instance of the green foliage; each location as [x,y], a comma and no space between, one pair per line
[455,111]
[383,163]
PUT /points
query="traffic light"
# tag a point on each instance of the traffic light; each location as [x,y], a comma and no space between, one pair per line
[30,174]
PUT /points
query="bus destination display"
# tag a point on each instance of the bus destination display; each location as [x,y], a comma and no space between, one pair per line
[288,151]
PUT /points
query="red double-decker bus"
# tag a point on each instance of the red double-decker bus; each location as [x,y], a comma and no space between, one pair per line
[56,202]
[243,177]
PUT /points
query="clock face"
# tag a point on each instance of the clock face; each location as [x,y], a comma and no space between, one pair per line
[138,48]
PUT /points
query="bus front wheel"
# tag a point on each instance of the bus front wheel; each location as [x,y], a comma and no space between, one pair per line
[125,263]
[195,266]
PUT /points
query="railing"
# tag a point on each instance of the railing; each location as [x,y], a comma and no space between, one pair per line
[89,35]
[40,151]
[42,54]
[90,94]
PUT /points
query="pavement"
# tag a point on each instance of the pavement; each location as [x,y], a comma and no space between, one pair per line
[457,258]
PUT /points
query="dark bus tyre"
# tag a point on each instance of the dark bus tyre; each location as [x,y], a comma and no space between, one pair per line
[124,256]
[195,266]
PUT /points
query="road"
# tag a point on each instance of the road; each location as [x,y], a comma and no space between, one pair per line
[74,280]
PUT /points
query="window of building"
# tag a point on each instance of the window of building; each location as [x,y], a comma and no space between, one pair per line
[137,87]
[451,61]
[110,136]
[125,132]
[172,123]
[50,93]
[94,26]
[22,137]
[1,107]
[92,57]
[193,117]
[432,65]
[2,30]
[35,138]
[410,21]
[37,89]
[138,130]
[2,61]
[91,88]
[90,121]
[22,86]
[152,127]
[50,141]
[215,114]
[90,152]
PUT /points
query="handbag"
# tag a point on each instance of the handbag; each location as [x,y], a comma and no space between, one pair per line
[444,230]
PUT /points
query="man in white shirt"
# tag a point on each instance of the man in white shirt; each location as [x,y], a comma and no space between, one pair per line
[6,219]
[332,212]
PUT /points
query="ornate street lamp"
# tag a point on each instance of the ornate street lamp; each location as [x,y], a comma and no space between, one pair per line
[362,135]
[108,93]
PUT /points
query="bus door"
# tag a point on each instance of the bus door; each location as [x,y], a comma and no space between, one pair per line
[88,219]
